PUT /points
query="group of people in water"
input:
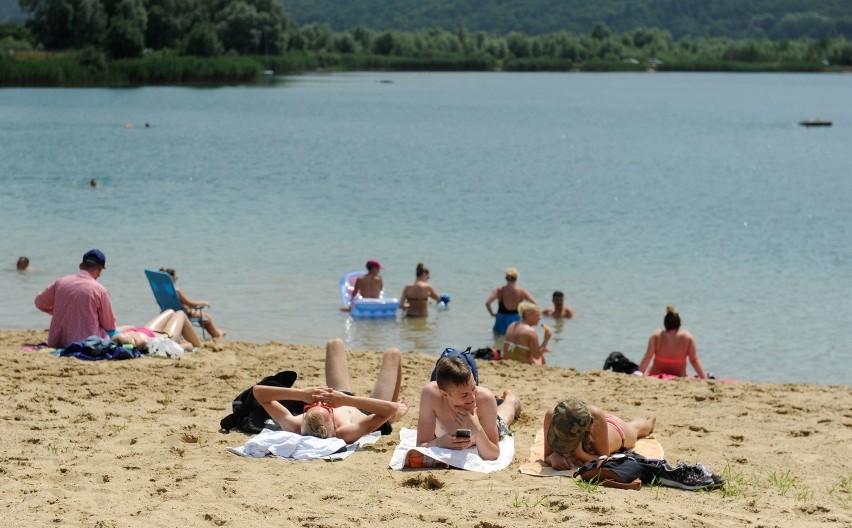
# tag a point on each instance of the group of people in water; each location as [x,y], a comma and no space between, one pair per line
[518,317]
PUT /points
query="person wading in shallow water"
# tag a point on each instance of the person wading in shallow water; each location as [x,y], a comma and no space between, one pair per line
[508,298]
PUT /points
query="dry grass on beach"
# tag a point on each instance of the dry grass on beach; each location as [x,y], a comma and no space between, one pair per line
[137,443]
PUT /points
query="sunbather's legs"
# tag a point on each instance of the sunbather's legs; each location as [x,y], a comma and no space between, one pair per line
[510,409]
[336,366]
[636,429]
[390,377]
[179,325]
[158,323]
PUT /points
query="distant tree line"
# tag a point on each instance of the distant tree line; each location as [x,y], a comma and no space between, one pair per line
[772,19]
[209,28]
[126,28]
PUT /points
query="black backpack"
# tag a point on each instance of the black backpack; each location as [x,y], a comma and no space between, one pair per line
[249,416]
[619,363]
[464,355]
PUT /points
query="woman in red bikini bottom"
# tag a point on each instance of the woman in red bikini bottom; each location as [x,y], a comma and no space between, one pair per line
[670,348]
[577,433]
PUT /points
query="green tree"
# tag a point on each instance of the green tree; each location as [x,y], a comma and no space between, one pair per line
[202,41]
[171,20]
[126,32]
[64,24]
[601,32]
[253,26]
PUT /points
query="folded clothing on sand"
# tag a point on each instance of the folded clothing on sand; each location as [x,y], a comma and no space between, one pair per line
[95,348]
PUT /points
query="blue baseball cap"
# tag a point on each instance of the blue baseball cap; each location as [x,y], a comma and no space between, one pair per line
[95,256]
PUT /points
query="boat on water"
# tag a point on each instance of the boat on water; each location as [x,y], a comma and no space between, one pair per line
[815,123]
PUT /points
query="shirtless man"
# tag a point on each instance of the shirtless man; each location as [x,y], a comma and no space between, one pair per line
[559,310]
[333,411]
[508,298]
[369,286]
[453,401]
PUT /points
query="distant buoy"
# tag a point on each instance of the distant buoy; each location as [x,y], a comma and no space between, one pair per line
[128,126]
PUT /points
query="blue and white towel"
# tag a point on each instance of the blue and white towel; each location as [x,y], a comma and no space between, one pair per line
[292,446]
[460,458]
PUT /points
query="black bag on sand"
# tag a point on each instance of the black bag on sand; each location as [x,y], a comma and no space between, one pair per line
[630,470]
[249,415]
[619,363]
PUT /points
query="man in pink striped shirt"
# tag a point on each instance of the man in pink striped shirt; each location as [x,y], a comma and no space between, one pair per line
[80,305]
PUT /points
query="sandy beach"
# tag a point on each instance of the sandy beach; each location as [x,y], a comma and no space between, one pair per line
[137,443]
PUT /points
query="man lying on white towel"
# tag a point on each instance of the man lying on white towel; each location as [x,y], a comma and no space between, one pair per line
[456,413]
[333,411]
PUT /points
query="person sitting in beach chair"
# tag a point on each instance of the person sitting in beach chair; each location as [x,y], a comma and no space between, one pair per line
[195,308]
[456,413]
[333,410]
[171,324]
[576,433]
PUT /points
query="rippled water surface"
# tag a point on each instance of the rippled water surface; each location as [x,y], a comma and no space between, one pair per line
[628,192]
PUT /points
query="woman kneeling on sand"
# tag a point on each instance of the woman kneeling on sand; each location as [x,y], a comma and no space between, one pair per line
[670,348]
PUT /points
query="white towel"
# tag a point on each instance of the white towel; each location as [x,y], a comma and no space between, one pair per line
[292,446]
[460,458]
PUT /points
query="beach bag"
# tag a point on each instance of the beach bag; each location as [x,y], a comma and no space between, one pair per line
[617,471]
[465,356]
[248,414]
[617,362]
[488,354]
[631,470]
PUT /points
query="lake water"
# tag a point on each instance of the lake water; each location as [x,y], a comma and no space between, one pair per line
[627,191]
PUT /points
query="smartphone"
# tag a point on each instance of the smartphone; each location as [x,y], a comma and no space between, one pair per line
[462,433]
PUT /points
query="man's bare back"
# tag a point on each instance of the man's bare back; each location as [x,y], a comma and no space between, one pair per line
[369,286]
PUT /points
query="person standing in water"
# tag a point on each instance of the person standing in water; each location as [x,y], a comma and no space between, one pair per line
[559,310]
[508,298]
[414,300]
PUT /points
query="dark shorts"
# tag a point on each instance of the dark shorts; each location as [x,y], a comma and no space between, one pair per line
[386,428]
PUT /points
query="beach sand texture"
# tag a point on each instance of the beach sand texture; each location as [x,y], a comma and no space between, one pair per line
[137,443]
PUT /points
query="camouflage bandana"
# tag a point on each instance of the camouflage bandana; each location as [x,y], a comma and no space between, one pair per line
[570,420]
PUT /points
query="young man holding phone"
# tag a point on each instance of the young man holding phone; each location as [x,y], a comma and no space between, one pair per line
[455,413]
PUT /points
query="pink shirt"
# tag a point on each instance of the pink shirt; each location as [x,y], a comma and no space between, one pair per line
[80,306]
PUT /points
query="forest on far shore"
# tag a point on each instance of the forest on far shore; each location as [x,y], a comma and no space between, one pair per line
[118,42]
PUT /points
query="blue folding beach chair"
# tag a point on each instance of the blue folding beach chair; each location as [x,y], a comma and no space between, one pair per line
[166,296]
